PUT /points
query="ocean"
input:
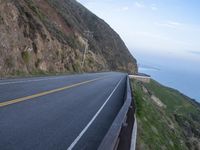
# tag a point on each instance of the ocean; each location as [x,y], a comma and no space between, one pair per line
[182,74]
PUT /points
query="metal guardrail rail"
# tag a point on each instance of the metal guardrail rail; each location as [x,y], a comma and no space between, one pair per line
[134,135]
[112,138]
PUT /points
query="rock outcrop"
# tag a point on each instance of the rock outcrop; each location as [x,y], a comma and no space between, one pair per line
[49,36]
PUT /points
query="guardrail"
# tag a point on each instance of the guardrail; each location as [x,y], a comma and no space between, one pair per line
[119,135]
[134,135]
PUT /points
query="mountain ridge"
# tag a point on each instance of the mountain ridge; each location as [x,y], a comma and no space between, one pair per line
[47,36]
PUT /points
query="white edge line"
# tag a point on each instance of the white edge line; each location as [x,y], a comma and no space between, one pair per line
[33,80]
[92,120]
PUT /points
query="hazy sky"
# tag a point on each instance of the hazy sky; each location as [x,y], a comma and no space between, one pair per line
[165,27]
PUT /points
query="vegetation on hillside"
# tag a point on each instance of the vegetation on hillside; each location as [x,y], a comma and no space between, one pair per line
[166,118]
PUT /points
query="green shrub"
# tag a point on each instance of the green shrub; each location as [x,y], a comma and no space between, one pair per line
[25,56]
[37,63]
[76,67]
[35,9]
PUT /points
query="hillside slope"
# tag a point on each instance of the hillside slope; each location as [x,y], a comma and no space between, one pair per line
[49,36]
[167,119]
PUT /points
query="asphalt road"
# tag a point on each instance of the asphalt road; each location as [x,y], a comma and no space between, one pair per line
[59,113]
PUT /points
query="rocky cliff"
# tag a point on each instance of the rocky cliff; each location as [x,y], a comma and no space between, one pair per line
[48,36]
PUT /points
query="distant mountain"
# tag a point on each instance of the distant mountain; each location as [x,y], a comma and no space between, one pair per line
[167,119]
[48,36]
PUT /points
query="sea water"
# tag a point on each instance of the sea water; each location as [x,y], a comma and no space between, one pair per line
[182,74]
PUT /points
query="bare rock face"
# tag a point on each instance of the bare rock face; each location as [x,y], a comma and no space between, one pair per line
[48,36]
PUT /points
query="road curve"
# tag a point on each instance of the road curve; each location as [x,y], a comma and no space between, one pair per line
[59,113]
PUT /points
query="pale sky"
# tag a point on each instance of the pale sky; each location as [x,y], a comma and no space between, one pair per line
[165,27]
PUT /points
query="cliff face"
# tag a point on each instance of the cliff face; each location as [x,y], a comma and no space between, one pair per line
[166,118]
[49,36]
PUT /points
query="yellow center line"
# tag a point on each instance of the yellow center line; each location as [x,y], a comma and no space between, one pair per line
[2,104]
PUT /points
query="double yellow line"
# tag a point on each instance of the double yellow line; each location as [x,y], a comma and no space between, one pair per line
[2,104]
